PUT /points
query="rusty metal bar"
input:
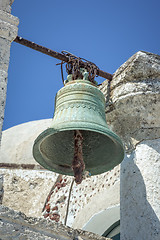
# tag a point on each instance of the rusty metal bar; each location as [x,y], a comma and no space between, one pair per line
[54,54]
[106,75]
[40,48]
[21,166]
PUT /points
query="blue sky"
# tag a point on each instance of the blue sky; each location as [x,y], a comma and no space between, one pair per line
[104,32]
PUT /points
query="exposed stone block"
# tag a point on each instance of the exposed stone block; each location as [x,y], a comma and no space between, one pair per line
[135,99]
[5,5]
[15,225]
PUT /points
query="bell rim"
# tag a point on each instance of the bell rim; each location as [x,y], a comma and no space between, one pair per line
[60,170]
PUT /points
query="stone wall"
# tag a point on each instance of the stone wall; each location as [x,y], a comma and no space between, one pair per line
[15,225]
[134,114]
[5,5]
[8,32]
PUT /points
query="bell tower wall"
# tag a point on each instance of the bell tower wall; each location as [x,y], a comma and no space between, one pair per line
[133,112]
[8,32]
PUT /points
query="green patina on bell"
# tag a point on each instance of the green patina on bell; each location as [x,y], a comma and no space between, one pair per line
[79,105]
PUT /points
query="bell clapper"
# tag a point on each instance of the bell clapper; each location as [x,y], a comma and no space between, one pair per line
[78,164]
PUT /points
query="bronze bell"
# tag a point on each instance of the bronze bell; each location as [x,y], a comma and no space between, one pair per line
[79,121]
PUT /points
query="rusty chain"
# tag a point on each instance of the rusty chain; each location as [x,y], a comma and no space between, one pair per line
[74,65]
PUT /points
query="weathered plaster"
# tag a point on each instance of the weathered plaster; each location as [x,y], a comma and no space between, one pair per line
[26,190]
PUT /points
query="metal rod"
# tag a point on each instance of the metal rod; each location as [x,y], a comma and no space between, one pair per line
[54,54]
[70,191]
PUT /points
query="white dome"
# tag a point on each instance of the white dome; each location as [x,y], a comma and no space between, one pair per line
[17,142]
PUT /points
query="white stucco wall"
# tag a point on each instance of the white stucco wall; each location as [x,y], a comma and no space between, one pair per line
[140,192]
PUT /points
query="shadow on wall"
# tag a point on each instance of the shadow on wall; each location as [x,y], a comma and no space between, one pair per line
[138,219]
